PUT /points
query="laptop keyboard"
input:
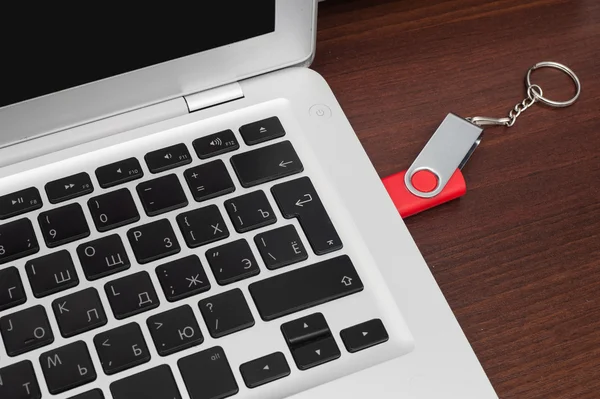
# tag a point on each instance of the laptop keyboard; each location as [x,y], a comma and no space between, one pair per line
[152,248]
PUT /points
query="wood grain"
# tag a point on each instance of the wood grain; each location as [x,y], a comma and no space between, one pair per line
[518,258]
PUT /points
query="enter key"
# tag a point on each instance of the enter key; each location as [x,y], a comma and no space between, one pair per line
[299,199]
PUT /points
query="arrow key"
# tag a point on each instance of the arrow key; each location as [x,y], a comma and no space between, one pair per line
[305,329]
[316,353]
[364,335]
[264,370]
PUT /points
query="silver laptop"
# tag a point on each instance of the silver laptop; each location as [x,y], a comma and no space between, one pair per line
[185,212]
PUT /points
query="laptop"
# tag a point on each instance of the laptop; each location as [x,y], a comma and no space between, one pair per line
[185,212]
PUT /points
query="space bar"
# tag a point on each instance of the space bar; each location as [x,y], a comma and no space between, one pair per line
[306,287]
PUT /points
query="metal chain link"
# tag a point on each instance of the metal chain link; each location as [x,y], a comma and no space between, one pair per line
[526,103]
[534,92]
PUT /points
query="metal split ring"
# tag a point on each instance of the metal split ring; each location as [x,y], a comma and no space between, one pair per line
[539,96]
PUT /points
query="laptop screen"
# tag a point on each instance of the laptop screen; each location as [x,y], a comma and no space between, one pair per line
[49,53]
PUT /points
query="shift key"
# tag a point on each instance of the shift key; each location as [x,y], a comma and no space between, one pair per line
[305,287]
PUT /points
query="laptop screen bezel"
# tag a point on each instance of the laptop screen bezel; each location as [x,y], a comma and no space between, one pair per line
[292,43]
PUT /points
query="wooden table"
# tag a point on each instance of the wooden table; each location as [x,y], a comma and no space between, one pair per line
[518,258]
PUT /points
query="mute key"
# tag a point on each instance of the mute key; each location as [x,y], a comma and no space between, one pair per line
[119,172]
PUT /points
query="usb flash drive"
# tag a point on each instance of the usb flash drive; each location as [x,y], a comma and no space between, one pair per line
[435,176]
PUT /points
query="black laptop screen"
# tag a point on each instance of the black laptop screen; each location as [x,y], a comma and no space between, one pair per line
[45,52]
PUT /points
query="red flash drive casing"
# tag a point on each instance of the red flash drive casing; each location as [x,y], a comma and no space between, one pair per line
[409,204]
[435,176]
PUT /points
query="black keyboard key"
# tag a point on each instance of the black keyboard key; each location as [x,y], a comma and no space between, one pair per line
[161,195]
[175,330]
[298,199]
[51,273]
[119,172]
[63,225]
[226,313]
[316,353]
[69,187]
[310,341]
[305,287]
[11,288]
[250,211]
[182,278]
[232,262]
[207,375]
[168,158]
[153,241]
[17,240]
[156,383]
[112,210]
[305,329]
[94,394]
[209,180]
[26,330]
[79,312]
[215,144]
[264,370]
[260,131]
[202,226]
[364,335]
[121,348]
[131,295]
[20,202]
[103,257]
[67,367]
[280,247]
[18,381]
[266,164]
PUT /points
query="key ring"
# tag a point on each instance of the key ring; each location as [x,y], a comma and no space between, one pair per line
[534,94]
[560,67]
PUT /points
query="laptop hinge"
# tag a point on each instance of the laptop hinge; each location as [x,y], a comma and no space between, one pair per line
[217,96]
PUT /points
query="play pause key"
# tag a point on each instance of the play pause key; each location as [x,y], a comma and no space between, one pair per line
[20,202]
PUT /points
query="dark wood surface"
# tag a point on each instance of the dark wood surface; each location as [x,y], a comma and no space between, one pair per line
[518,258]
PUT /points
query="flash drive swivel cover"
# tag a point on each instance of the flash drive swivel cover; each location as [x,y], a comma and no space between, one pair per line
[435,176]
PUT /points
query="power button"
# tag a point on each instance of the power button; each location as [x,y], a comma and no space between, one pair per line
[320,111]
